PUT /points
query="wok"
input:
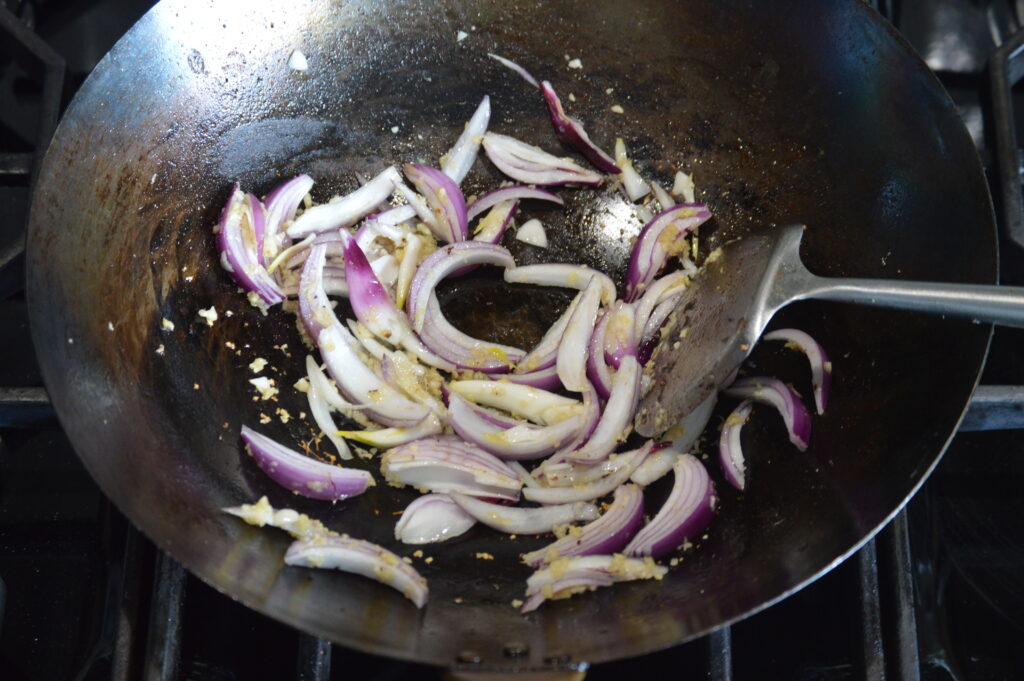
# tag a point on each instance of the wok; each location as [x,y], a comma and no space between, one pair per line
[785,112]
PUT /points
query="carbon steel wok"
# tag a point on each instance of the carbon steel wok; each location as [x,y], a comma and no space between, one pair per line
[785,111]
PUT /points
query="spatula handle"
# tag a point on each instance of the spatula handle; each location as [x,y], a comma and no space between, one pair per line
[984,304]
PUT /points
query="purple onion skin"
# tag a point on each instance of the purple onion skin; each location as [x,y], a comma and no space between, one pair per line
[545,379]
[618,540]
[431,182]
[691,528]
[640,273]
[571,133]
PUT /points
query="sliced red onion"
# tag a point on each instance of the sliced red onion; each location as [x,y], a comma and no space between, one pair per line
[493,225]
[319,407]
[348,209]
[652,327]
[305,476]
[443,262]
[545,379]
[367,340]
[361,558]
[685,434]
[407,270]
[410,378]
[620,339]
[617,416]
[590,489]
[567,474]
[591,416]
[513,520]
[237,242]
[328,391]
[444,463]
[515,67]
[524,475]
[395,215]
[821,367]
[521,441]
[313,303]
[444,198]
[597,368]
[563,275]
[657,292]
[259,225]
[544,354]
[607,535]
[684,515]
[730,449]
[375,309]
[660,239]
[281,205]
[572,352]
[460,157]
[539,406]
[532,165]
[570,132]
[464,351]
[516,192]
[432,518]
[779,395]
[664,199]
[385,438]
[568,576]
[632,183]
[262,514]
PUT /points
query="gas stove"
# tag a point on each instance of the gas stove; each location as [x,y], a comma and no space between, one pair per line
[938,594]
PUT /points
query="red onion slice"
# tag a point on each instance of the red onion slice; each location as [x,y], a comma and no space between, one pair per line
[572,352]
[513,520]
[532,165]
[568,576]
[821,367]
[443,262]
[462,350]
[660,239]
[348,209]
[620,339]
[568,474]
[300,474]
[608,534]
[656,293]
[652,327]
[384,438]
[545,379]
[444,463]
[460,158]
[546,351]
[521,441]
[684,515]
[432,518]
[685,435]
[590,489]
[570,132]
[237,241]
[523,73]
[494,225]
[319,407]
[281,205]
[632,183]
[539,406]
[597,368]
[444,198]
[617,416]
[395,215]
[730,449]
[563,275]
[407,270]
[514,193]
[779,395]
[361,558]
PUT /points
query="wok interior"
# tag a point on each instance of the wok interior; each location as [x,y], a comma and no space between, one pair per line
[785,112]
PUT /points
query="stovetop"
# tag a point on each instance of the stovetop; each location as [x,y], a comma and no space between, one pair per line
[938,595]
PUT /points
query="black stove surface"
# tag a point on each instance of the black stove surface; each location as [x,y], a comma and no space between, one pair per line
[938,595]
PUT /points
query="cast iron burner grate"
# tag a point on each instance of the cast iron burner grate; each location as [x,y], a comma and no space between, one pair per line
[156,620]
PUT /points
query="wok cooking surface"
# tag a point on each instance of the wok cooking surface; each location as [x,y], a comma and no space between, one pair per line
[187,306]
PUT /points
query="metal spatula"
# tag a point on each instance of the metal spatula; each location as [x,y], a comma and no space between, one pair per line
[722,314]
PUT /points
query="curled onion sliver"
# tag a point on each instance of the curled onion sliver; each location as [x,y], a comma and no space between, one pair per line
[607,534]
[568,576]
[617,416]
[443,262]
[521,441]
[779,395]
[319,407]
[513,520]
[348,209]
[515,192]
[539,406]
[660,239]
[460,158]
[560,274]
[730,449]
[570,131]
[444,198]
[444,463]
[359,557]
[523,73]
[300,474]
[591,489]
[237,241]
[821,367]
[572,351]
[532,165]
[597,368]
[684,515]
[281,205]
